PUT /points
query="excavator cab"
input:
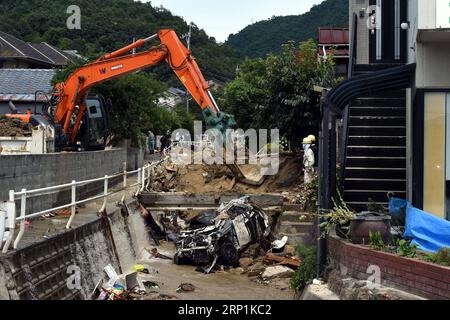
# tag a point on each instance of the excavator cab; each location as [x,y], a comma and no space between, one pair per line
[94,129]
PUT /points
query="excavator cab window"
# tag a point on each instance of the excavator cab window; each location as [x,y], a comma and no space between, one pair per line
[94,128]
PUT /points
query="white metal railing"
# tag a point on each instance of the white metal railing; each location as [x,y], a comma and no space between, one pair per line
[8,214]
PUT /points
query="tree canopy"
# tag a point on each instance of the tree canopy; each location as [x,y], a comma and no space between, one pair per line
[107,25]
[278,92]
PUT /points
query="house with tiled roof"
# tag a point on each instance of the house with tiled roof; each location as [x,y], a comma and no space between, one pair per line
[27,70]
[26,88]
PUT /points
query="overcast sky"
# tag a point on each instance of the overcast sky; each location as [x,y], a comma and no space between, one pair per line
[220,18]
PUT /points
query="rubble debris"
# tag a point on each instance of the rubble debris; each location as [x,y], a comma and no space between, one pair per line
[153,296]
[253,251]
[290,250]
[150,284]
[238,271]
[139,268]
[282,260]
[14,128]
[186,287]
[156,254]
[277,272]
[237,225]
[245,262]
[280,244]
[119,287]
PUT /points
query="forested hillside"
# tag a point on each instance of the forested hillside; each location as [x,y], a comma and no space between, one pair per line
[107,25]
[267,36]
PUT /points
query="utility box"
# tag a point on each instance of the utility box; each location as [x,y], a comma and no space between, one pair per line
[42,141]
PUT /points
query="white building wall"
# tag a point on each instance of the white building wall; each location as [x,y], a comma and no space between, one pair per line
[363,33]
[428,46]
[433,65]
[427,11]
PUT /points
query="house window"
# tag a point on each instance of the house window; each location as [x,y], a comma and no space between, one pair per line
[436,153]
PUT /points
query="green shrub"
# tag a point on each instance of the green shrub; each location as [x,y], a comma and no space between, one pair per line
[405,249]
[307,270]
[375,207]
[376,241]
[442,257]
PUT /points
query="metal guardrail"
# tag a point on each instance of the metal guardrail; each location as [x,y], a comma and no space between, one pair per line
[8,211]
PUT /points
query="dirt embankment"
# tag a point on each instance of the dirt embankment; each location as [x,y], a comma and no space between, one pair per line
[14,128]
[208,179]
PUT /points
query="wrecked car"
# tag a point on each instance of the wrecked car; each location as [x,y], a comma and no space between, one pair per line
[220,237]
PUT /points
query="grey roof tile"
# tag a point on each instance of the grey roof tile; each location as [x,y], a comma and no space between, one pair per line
[25,81]
[56,56]
[13,47]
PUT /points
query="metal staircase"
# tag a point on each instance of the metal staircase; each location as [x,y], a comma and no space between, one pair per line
[375,162]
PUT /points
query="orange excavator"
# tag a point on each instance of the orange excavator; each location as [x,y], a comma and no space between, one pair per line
[72,108]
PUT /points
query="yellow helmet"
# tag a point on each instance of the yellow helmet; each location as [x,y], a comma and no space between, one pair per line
[307,141]
[312,138]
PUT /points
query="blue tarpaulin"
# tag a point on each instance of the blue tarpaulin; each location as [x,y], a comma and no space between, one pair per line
[429,232]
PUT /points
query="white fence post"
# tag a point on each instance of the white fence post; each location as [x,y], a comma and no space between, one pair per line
[125,173]
[23,207]
[73,208]
[11,212]
[138,182]
[143,179]
[105,194]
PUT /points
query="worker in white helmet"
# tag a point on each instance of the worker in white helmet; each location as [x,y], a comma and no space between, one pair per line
[314,149]
[308,160]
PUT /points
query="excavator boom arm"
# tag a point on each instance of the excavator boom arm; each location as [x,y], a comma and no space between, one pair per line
[72,93]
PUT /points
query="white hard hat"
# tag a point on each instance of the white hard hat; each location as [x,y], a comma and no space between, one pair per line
[312,138]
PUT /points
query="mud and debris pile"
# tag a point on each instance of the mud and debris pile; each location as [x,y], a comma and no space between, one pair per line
[211,179]
[165,178]
[14,128]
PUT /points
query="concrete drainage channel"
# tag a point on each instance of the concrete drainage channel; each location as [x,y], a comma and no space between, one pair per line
[49,269]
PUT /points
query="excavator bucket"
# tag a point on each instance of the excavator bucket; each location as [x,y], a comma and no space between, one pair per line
[248,174]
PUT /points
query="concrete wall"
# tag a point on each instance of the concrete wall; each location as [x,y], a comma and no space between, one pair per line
[135,158]
[413,28]
[433,65]
[41,271]
[38,171]
[363,33]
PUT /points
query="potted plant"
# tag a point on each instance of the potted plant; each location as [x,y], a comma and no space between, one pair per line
[366,223]
[338,218]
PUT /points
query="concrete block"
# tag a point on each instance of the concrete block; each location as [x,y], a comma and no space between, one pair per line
[318,292]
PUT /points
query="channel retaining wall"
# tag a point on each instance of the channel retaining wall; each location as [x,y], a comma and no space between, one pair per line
[46,270]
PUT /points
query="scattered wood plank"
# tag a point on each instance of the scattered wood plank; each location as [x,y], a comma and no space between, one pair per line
[289,262]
